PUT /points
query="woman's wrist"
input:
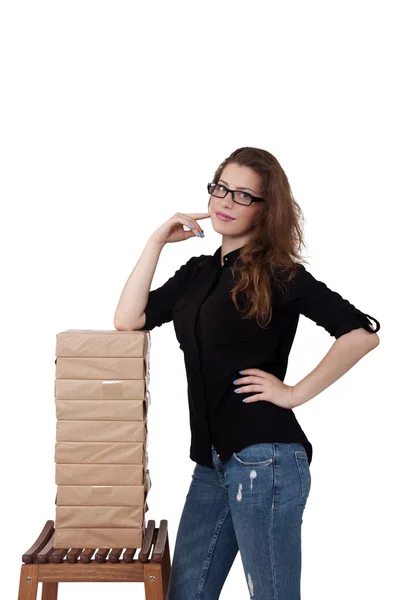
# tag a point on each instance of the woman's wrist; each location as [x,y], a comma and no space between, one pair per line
[156,243]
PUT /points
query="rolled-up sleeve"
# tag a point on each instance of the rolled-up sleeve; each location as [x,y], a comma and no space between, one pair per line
[162,300]
[327,308]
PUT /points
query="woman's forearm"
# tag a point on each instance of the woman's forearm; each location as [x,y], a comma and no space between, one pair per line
[346,351]
[134,297]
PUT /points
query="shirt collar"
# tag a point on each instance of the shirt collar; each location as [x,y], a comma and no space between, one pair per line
[229,258]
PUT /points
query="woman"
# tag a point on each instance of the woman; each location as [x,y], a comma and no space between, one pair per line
[235,315]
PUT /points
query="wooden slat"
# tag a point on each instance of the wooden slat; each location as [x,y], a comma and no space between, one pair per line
[114,556]
[86,555]
[44,554]
[101,555]
[58,555]
[30,555]
[73,555]
[129,554]
[154,539]
[148,539]
[160,545]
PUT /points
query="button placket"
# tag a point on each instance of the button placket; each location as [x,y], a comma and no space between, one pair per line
[198,350]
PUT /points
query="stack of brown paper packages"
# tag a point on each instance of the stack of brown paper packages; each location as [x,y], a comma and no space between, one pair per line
[101,459]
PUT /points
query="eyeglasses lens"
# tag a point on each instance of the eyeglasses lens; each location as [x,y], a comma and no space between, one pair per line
[219,191]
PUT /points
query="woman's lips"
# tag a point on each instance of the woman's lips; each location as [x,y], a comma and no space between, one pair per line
[223,218]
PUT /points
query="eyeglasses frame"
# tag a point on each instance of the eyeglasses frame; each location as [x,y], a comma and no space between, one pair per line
[233,192]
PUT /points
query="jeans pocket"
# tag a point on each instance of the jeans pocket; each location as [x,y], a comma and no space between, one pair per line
[304,473]
[256,455]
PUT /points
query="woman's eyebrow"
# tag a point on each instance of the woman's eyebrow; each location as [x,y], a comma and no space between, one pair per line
[239,187]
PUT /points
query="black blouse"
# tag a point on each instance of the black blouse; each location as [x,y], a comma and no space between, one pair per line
[218,343]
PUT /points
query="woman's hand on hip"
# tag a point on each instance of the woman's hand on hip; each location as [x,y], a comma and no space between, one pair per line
[267,387]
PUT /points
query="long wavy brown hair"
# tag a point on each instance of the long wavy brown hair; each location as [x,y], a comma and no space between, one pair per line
[276,239]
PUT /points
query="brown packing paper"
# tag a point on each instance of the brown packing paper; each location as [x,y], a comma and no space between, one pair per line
[102,343]
[118,389]
[100,452]
[98,516]
[145,503]
[105,410]
[93,474]
[101,440]
[101,431]
[99,538]
[103,495]
[101,368]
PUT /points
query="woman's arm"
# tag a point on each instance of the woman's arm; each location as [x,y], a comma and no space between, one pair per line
[353,329]
[139,308]
[327,308]
[129,313]
[346,351]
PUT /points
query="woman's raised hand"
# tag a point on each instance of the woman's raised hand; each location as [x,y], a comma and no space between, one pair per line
[173,229]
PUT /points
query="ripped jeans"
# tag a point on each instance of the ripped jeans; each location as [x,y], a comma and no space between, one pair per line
[252,503]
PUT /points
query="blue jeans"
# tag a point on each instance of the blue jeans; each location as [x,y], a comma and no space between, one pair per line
[252,503]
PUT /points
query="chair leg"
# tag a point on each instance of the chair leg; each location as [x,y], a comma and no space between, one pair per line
[154,588]
[157,576]
[49,590]
[166,567]
[28,582]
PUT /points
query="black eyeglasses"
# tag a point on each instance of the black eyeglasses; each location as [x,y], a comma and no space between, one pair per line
[220,191]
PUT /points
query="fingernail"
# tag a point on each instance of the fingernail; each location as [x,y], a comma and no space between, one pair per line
[243,399]
[190,225]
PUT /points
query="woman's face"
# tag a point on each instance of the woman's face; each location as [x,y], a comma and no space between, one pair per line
[236,177]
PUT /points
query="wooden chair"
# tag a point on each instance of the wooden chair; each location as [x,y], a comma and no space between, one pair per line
[43,563]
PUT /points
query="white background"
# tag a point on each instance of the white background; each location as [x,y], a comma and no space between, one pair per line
[115,115]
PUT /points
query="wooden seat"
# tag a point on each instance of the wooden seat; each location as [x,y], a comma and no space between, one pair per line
[43,563]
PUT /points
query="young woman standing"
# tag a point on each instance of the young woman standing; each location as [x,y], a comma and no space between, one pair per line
[235,315]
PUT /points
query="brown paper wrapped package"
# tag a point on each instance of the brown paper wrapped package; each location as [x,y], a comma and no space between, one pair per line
[101,400]
[93,474]
[100,452]
[92,389]
[102,368]
[98,516]
[101,431]
[103,495]
[102,343]
[104,410]
[107,537]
